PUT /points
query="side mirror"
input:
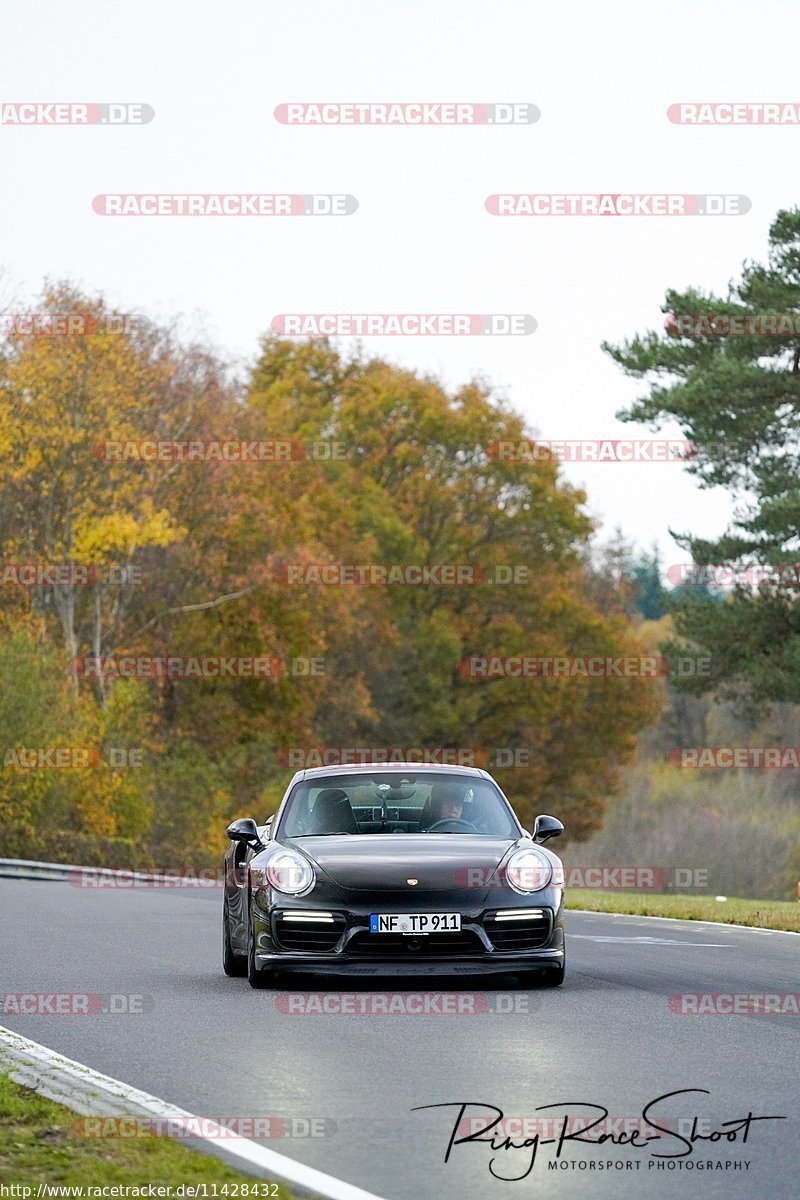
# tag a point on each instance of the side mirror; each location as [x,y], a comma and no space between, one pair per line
[244,830]
[545,827]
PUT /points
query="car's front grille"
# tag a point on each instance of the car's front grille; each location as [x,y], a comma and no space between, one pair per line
[523,930]
[508,930]
[294,932]
[436,945]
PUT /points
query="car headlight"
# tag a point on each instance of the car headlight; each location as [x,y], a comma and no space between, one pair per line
[528,870]
[290,873]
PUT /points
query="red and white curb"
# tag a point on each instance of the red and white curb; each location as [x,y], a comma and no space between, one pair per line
[85,1091]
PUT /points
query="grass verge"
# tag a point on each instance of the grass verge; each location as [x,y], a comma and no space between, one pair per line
[768,914]
[39,1143]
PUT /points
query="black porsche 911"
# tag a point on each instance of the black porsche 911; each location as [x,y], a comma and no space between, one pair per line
[394,869]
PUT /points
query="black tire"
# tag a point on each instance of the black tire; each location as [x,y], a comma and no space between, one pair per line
[256,979]
[232,964]
[554,977]
[547,978]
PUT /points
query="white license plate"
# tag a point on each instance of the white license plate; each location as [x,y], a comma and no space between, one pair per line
[415,923]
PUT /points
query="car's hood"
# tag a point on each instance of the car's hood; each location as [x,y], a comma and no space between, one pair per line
[385,862]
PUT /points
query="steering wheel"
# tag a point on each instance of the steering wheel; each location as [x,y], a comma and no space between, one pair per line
[451,821]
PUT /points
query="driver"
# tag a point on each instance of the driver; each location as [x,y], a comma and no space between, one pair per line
[445,803]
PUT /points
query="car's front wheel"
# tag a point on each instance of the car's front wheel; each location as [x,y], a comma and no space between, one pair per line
[548,977]
[232,964]
[554,976]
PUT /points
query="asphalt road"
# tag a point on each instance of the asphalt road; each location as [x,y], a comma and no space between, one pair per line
[609,1037]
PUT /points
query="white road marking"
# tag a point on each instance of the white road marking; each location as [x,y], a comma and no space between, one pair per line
[594,912]
[86,1091]
[651,941]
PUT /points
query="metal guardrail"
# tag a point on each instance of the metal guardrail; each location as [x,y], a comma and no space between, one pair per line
[25,868]
[201,878]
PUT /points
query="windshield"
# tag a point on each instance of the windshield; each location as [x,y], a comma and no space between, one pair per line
[414,802]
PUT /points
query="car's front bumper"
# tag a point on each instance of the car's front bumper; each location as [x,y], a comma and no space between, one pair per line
[499,964]
[354,951]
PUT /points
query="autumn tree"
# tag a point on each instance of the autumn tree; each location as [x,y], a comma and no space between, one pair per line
[188,558]
[424,486]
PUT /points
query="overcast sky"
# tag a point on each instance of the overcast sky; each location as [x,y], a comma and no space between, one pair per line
[421,241]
